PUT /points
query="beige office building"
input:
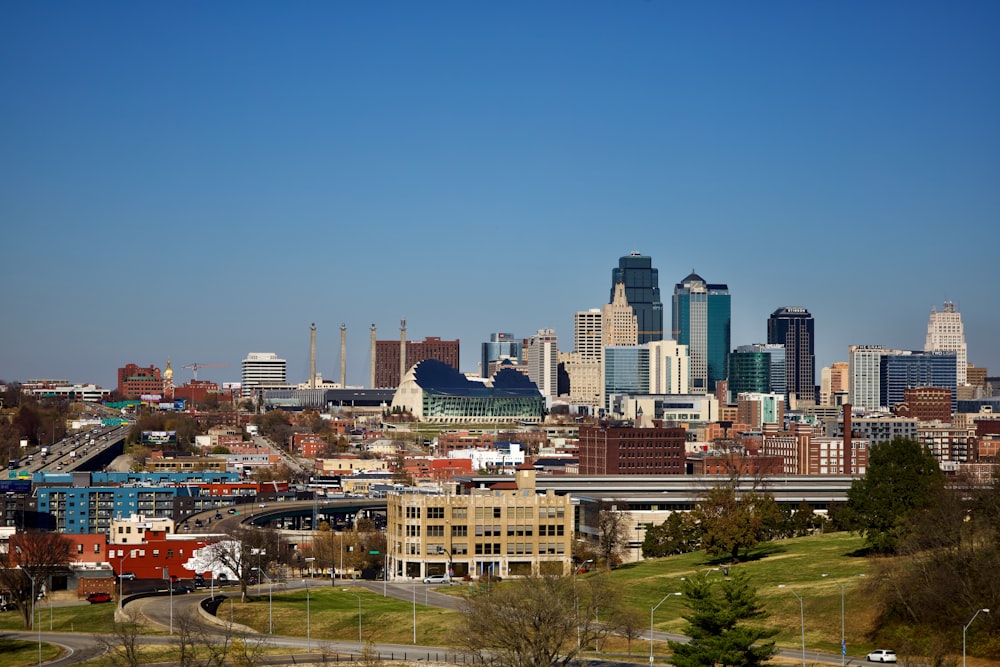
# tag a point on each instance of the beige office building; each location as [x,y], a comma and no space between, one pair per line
[509,530]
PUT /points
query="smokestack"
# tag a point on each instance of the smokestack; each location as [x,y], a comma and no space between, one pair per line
[312,356]
[372,381]
[402,350]
[848,438]
[343,355]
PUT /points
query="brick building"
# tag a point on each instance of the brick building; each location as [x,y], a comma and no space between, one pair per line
[432,347]
[135,381]
[926,404]
[611,450]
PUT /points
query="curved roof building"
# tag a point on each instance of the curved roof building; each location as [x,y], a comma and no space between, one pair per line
[436,392]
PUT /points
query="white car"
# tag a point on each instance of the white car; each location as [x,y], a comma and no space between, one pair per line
[881,655]
[437,579]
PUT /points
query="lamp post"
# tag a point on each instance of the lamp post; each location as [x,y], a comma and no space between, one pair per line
[39,626]
[121,580]
[964,628]
[414,613]
[348,590]
[651,610]
[270,607]
[576,598]
[802,619]
[308,632]
[843,638]
[257,553]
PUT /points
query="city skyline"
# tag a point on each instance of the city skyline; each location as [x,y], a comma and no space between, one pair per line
[202,182]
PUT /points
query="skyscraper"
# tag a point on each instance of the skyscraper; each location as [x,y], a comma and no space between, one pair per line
[619,323]
[793,328]
[905,369]
[501,347]
[263,370]
[864,379]
[543,361]
[701,320]
[642,289]
[945,333]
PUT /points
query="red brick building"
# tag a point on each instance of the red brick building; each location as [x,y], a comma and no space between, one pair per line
[387,357]
[614,450]
[134,381]
[926,404]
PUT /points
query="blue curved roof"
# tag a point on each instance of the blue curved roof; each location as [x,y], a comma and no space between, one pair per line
[438,377]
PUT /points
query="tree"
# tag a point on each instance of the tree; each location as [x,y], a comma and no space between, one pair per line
[124,644]
[902,478]
[538,621]
[28,564]
[612,534]
[718,623]
[679,534]
[240,553]
[732,522]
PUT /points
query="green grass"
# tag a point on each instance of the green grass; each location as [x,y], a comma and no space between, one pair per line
[22,653]
[82,618]
[797,563]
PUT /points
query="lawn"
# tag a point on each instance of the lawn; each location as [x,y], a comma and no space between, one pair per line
[81,618]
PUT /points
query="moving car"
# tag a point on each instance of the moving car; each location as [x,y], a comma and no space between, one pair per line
[127,576]
[881,655]
[437,579]
[94,598]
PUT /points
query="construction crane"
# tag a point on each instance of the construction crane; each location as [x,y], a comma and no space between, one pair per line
[195,366]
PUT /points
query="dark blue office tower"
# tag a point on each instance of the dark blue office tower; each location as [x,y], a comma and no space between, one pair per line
[642,289]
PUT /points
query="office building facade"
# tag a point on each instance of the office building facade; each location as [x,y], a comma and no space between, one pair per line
[794,328]
[906,369]
[263,370]
[642,289]
[701,321]
[501,347]
[543,361]
[946,333]
[387,357]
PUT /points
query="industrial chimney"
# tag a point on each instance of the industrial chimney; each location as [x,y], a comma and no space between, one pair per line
[343,355]
[312,356]
[371,383]
[402,350]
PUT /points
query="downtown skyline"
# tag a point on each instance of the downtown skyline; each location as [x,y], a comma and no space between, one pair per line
[202,182]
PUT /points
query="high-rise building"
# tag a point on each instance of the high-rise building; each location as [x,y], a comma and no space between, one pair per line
[669,368]
[904,370]
[387,357]
[501,347]
[834,383]
[588,333]
[626,371]
[543,361]
[864,384]
[749,371]
[642,289]
[263,370]
[794,328]
[701,321]
[945,333]
[619,323]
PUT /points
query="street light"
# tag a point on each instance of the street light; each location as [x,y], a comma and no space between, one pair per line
[348,590]
[843,638]
[802,619]
[576,598]
[170,587]
[33,610]
[308,634]
[651,610]
[257,553]
[964,628]
[121,579]
[270,607]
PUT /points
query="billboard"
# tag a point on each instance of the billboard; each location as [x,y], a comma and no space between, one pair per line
[159,437]
[15,486]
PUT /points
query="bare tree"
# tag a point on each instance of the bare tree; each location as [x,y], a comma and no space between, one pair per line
[30,561]
[630,624]
[123,645]
[612,533]
[242,552]
[184,640]
[537,621]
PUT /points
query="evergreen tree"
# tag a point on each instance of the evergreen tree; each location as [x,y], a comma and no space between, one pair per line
[902,478]
[718,622]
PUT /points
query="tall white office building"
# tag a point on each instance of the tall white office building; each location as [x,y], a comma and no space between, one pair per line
[263,370]
[945,333]
[669,368]
[865,387]
[543,361]
[587,333]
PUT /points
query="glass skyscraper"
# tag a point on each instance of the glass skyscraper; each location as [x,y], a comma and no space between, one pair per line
[701,320]
[501,346]
[906,370]
[793,327]
[642,289]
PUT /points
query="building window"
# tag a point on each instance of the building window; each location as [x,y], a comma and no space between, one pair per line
[459,531]
[435,512]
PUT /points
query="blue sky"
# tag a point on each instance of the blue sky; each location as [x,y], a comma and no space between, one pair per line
[203,180]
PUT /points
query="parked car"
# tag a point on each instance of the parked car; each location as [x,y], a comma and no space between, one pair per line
[232,510]
[180,590]
[8,606]
[437,579]
[127,576]
[881,655]
[199,581]
[94,598]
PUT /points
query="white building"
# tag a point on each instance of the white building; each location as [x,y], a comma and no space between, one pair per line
[945,333]
[669,368]
[863,367]
[263,370]
[543,362]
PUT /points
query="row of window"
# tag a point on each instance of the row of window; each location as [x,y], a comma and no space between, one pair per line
[488,512]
